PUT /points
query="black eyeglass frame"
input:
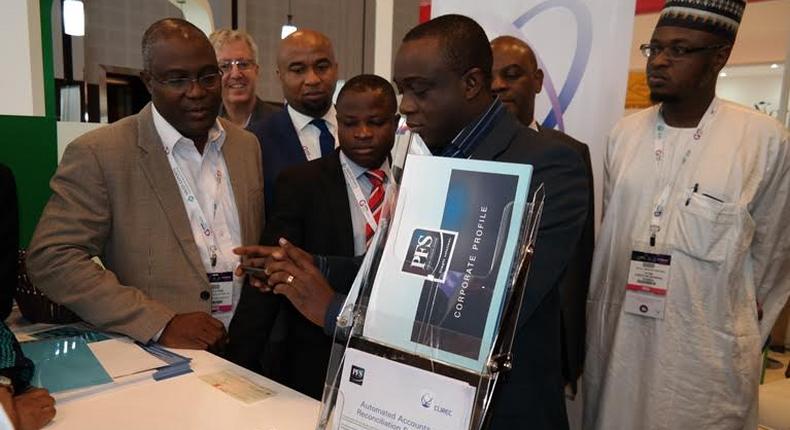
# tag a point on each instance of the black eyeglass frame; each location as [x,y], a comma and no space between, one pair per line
[207,81]
[674,52]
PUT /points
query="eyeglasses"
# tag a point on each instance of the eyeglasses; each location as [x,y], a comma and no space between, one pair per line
[242,65]
[207,81]
[673,52]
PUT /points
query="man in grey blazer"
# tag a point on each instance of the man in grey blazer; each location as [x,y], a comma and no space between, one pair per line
[161,198]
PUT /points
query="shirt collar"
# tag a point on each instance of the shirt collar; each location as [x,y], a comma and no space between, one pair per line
[470,136]
[534,125]
[170,136]
[359,171]
[300,120]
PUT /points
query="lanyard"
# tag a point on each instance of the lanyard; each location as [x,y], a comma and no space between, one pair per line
[667,179]
[362,201]
[208,237]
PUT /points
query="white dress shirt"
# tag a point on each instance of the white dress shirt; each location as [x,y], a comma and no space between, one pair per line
[207,175]
[358,221]
[309,134]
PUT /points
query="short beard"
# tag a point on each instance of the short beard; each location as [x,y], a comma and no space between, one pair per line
[664,98]
[317,109]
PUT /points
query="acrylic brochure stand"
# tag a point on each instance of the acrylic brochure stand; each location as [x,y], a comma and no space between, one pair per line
[422,338]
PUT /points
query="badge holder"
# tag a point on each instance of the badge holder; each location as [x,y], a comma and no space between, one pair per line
[374,384]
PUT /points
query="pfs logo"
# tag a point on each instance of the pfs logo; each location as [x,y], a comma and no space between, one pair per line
[357,375]
[430,253]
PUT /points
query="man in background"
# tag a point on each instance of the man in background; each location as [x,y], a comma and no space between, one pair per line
[516,81]
[237,57]
[307,128]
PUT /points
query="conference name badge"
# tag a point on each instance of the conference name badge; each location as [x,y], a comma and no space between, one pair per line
[221,292]
[648,282]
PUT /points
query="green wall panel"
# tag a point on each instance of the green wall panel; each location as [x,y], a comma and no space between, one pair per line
[29,148]
[29,144]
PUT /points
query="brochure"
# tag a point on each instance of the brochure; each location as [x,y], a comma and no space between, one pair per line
[445,269]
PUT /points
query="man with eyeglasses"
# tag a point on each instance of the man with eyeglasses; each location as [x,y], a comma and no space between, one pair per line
[237,56]
[694,241]
[161,197]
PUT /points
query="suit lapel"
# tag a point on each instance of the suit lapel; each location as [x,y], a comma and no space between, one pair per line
[498,140]
[337,200]
[154,165]
[291,145]
[234,161]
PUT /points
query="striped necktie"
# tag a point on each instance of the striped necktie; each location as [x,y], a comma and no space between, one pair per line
[376,178]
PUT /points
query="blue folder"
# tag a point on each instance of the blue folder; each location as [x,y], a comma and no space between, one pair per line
[64,364]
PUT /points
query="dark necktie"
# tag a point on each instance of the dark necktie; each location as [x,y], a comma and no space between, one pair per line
[326,139]
[376,178]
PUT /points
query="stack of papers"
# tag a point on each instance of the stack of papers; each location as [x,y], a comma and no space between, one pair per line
[121,357]
[72,357]
[176,364]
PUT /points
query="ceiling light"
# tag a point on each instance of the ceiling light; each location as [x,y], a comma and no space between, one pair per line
[74,17]
[774,66]
[723,75]
[288,27]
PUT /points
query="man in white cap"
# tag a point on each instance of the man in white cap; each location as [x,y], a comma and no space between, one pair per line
[694,242]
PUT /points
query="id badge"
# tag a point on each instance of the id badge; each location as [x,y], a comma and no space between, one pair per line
[221,292]
[648,282]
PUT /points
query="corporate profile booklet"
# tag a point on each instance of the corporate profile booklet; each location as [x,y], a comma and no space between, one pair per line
[440,287]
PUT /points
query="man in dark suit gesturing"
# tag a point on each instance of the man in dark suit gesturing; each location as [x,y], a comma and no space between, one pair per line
[443,70]
[516,81]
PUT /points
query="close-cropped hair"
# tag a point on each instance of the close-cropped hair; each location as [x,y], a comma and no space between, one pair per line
[463,42]
[221,37]
[162,29]
[367,82]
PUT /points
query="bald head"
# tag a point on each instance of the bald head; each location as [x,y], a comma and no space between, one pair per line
[518,48]
[307,70]
[516,76]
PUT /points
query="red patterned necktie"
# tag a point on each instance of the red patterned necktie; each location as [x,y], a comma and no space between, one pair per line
[376,178]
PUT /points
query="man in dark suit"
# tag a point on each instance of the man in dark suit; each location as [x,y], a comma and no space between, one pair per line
[307,128]
[237,57]
[516,81]
[443,70]
[317,209]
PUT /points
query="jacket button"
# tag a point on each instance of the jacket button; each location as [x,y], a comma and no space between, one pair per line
[205,295]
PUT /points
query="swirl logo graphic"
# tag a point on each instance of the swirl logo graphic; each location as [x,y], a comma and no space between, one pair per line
[426,399]
[584,34]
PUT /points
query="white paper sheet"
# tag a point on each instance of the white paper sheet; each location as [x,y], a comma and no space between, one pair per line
[121,357]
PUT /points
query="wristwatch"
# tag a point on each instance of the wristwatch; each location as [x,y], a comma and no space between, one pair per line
[7,383]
